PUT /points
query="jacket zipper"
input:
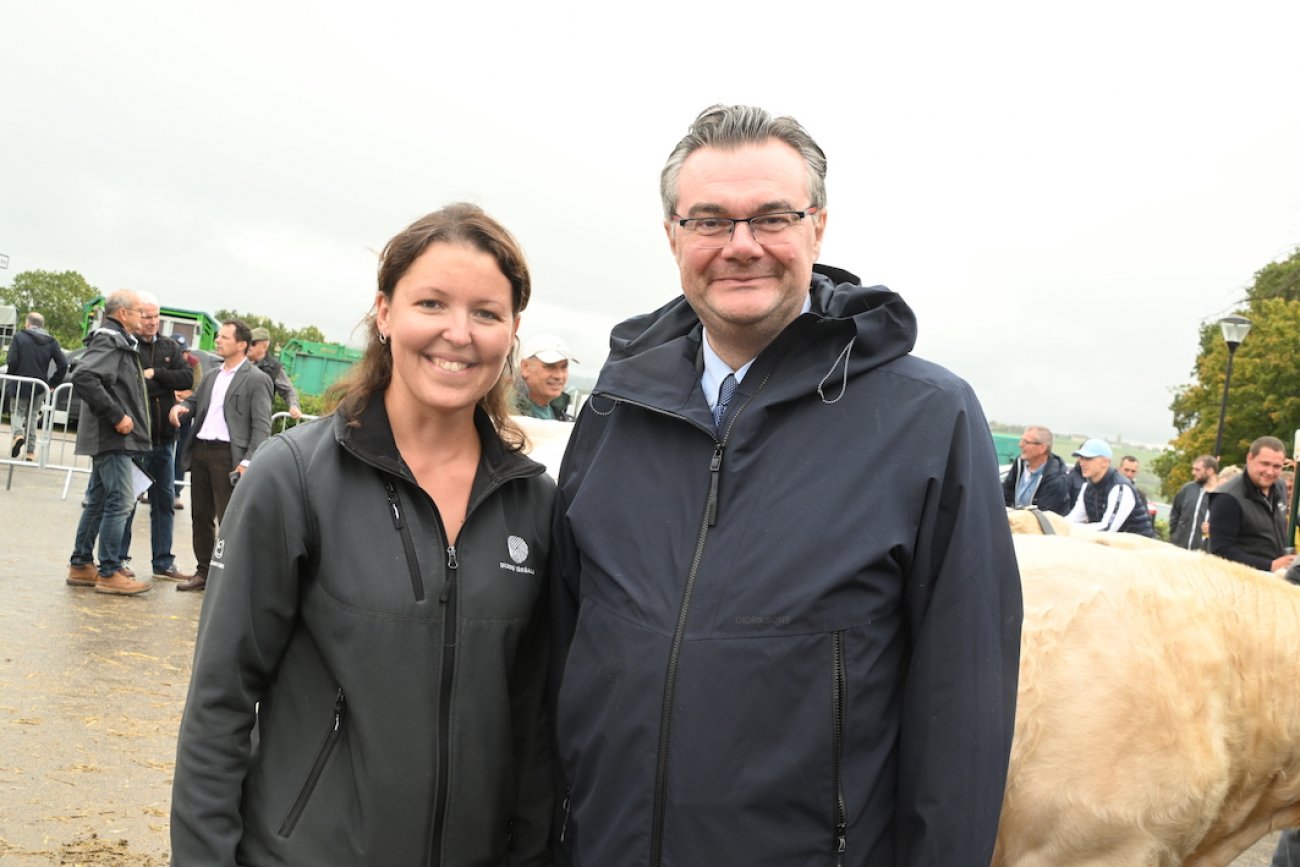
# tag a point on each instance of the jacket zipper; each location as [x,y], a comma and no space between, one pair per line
[679,632]
[313,776]
[564,822]
[408,544]
[837,745]
[446,597]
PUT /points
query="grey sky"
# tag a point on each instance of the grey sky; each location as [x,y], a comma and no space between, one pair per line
[1063,193]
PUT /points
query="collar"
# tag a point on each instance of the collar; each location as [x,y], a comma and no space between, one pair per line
[716,370]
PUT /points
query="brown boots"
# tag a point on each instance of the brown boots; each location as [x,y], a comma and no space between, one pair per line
[118,584]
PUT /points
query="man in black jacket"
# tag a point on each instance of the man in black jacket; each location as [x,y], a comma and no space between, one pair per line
[1248,513]
[31,353]
[1038,477]
[271,366]
[1191,506]
[165,373]
[786,600]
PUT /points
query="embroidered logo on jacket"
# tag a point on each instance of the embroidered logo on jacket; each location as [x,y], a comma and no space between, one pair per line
[518,550]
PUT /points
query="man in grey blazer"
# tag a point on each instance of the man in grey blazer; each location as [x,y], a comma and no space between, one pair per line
[221,443]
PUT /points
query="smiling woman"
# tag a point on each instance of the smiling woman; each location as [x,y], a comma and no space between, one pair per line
[346,628]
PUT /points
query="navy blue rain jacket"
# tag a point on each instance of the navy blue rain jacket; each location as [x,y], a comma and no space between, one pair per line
[796,642]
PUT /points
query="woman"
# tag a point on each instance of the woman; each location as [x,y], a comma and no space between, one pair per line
[370,664]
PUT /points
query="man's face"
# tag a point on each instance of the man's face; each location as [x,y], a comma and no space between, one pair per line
[1129,469]
[545,381]
[257,350]
[1032,446]
[1265,468]
[149,321]
[227,346]
[129,316]
[1199,473]
[744,288]
[1094,469]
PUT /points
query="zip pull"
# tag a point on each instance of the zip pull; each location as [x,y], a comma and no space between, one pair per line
[564,823]
[392,504]
[452,565]
[715,468]
[841,842]
[338,710]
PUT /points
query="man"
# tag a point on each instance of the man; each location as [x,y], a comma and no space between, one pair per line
[31,353]
[1038,477]
[1107,502]
[232,417]
[1191,505]
[183,432]
[544,372]
[788,616]
[113,429]
[257,353]
[165,372]
[1128,468]
[1248,513]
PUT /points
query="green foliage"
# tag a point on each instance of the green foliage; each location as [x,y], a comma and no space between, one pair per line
[280,333]
[1264,396]
[57,296]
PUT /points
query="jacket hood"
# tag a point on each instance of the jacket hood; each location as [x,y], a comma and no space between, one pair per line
[40,335]
[113,329]
[849,330]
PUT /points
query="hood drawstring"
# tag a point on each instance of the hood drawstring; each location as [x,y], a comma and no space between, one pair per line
[842,358]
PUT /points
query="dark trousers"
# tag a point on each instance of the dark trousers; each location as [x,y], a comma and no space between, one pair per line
[210,489]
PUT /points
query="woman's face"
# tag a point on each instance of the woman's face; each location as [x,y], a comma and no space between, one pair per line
[450,327]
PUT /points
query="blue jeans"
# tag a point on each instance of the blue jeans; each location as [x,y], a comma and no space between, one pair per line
[1288,850]
[159,463]
[107,510]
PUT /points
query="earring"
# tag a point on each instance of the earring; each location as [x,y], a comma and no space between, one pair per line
[383,338]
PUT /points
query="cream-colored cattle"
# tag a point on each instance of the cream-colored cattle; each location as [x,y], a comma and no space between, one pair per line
[1158,719]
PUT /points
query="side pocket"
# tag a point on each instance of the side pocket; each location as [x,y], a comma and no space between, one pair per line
[313,776]
[837,745]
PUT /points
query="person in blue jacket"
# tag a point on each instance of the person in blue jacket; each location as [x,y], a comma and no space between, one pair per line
[786,603]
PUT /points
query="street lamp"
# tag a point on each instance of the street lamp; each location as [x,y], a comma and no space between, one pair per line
[1234,330]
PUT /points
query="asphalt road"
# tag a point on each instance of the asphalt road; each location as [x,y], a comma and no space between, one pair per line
[91,692]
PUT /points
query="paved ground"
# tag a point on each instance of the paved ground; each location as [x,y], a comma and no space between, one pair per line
[91,692]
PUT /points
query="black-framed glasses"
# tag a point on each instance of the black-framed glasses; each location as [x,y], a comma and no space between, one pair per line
[774,227]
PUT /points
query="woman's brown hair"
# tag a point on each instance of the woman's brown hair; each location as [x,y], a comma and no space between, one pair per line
[459,223]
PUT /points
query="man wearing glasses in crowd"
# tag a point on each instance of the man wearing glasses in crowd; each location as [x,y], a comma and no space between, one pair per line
[787,606]
[1038,477]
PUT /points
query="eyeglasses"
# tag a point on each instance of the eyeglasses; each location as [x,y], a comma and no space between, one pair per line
[770,228]
[1029,442]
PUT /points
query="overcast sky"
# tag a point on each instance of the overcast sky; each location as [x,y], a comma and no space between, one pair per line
[1063,192]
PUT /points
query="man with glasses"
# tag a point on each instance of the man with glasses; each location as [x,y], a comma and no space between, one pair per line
[113,429]
[786,603]
[165,372]
[1038,477]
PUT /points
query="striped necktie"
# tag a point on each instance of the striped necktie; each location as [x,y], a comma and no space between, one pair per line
[725,391]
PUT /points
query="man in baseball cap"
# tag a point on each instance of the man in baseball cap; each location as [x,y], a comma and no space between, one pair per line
[544,372]
[1108,501]
[270,365]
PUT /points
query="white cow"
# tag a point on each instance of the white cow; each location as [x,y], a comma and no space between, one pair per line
[1158,719]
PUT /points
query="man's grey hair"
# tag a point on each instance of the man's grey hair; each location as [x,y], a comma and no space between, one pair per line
[148,299]
[119,299]
[1042,433]
[730,126]
[35,320]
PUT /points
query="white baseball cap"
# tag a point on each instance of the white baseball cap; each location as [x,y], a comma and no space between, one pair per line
[546,348]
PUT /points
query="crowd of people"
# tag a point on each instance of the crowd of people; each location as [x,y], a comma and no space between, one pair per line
[709,642]
[1240,516]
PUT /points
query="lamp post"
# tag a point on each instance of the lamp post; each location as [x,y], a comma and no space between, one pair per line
[1234,330]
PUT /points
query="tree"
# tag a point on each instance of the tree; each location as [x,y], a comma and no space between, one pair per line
[280,333]
[1265,393]
[59,297]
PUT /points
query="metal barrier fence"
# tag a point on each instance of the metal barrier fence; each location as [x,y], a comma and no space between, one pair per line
[46,421]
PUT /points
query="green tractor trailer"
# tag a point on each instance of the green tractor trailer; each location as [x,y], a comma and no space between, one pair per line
[313,367]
